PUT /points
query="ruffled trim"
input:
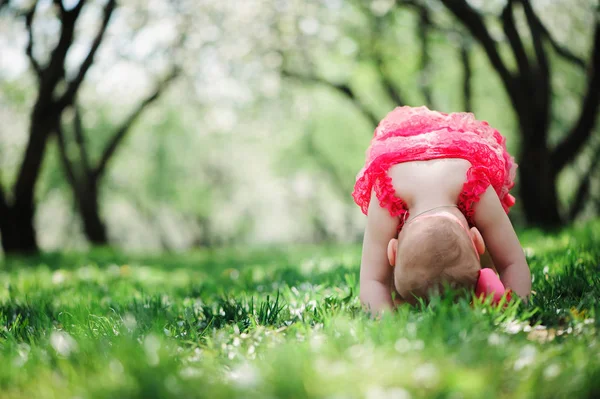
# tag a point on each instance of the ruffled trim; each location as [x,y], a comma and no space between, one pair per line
[417,134]
[413,121]
[476,184]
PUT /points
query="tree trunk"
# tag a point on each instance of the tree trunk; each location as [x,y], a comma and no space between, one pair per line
[18,231]
[538,187]
[93,226]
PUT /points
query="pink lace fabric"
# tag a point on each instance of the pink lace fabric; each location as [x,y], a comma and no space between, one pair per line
[419,134]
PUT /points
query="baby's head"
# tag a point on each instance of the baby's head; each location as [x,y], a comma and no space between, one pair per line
[434,250]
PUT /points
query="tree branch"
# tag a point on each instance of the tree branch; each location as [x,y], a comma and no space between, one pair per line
[80,140]
[4,209]
[374,50]
[377,24]
[536,35]
[54,72]
[388,84]
[508,24]
[29,24]
[77,9]
[474,23]
[122,131]
[66,162]
[566,151]
[465,57]
[541,79]
[61,7]
[425,62]
[69,95]
[560,50]
[583,189]
[342,88]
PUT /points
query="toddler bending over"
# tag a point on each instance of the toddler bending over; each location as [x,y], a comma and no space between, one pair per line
[435,188]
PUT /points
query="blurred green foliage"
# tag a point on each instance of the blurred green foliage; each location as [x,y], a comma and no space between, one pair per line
[233,150]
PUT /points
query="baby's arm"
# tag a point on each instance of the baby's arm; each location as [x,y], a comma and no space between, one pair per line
[375,270]
[502,243]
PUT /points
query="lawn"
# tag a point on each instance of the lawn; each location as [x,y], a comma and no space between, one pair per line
[286,322]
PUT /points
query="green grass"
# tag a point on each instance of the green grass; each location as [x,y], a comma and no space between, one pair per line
[286,322]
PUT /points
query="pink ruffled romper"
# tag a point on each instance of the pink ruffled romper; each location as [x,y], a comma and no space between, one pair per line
[419,134]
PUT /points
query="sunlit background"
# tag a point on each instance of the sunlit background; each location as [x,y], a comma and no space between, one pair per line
[252,117]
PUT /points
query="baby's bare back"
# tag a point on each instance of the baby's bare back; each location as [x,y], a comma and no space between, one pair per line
[423,184]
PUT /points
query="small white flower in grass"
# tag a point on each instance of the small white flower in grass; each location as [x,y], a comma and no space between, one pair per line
[151,346]
[427,375]
[244,376]
[190,372]
[85,273]
[495,339]
[552,371]
[513,327]
[569,330]
[58,277]
[129,322]
[529,251]
[196,356]
[297,309]
[546,269]
[22,355]
[588,321]
[402,345]
[63,343]
[526,357]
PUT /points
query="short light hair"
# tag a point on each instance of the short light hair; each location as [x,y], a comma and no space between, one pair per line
[434,252]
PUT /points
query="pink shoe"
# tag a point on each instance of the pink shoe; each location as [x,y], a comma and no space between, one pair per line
[488,284]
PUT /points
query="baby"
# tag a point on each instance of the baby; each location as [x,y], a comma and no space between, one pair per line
[435,188]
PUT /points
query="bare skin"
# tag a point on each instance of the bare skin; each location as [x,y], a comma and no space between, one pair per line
[425,185]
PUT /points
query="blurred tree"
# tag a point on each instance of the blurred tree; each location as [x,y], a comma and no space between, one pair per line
[529,88]
[55,93]
[85,178]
